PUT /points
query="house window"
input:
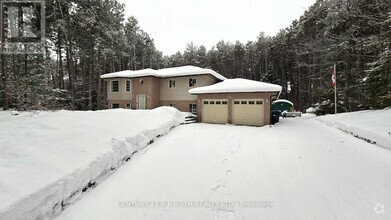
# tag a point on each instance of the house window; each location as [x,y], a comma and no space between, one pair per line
[236,102]
[259,102]
[173,105]
[251,102]
[128,106]
[224,102]
[114,86]
[115,105]
[212,102]
[171,83]
[206,102]
[243,102]
[218,103]
[127,86]
[193,108]
[192,82]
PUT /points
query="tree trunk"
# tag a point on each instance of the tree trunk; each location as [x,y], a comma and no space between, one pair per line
[299,89]
[99,92]
[89,71]
[134,57]
[4,78]
[59,59]
[70,65]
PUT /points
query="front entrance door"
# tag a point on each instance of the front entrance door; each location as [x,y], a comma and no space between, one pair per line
[141,101]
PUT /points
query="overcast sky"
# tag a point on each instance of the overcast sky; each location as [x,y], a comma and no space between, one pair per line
[174,23]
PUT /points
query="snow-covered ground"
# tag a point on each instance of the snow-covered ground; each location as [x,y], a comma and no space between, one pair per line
[372,125]
[298,169]
[47,159]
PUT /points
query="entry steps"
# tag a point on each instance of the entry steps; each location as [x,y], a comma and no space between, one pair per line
[190,118]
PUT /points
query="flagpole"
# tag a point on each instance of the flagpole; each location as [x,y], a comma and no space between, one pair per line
[335,89]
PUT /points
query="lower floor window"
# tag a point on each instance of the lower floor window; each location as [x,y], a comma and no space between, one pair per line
[115,105]
[193,108]
[173,105]
[128,106]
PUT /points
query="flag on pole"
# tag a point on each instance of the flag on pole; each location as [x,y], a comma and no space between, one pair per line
[334,78]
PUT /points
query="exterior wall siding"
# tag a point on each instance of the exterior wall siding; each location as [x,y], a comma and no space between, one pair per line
[149,86]
[181,90]
[157,91]
[232,96]
[121,94]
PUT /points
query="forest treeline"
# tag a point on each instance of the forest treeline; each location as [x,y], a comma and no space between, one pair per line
[85,39]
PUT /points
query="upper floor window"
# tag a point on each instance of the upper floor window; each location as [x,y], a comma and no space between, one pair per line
[115,86]
[127,86]
[192,82]
[171,83]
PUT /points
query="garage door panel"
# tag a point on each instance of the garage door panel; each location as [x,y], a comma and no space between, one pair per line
[248,112]
[215,111]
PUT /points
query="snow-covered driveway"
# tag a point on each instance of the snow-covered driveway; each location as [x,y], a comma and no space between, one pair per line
[298,169]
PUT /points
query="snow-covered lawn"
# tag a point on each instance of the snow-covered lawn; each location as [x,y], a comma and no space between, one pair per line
[372,125]
[48,158]
[298,169]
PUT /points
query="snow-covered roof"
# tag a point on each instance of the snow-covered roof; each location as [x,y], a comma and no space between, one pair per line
[237,85]
[164,73]
[283,100]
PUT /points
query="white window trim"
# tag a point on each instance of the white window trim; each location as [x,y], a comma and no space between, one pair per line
[130,81]
[111,86]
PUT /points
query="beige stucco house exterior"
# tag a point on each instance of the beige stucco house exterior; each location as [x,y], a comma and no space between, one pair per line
[149,88]
[204,92]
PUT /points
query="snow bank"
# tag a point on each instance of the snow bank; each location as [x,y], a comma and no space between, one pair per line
[373,126]
[49,159]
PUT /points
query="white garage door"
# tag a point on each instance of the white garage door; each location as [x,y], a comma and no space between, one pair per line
[215,111]
[248,112]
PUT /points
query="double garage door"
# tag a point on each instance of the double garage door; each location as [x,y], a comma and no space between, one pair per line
[244,111]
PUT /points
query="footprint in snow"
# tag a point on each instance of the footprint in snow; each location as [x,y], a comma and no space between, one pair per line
[229,173]
[218,188]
